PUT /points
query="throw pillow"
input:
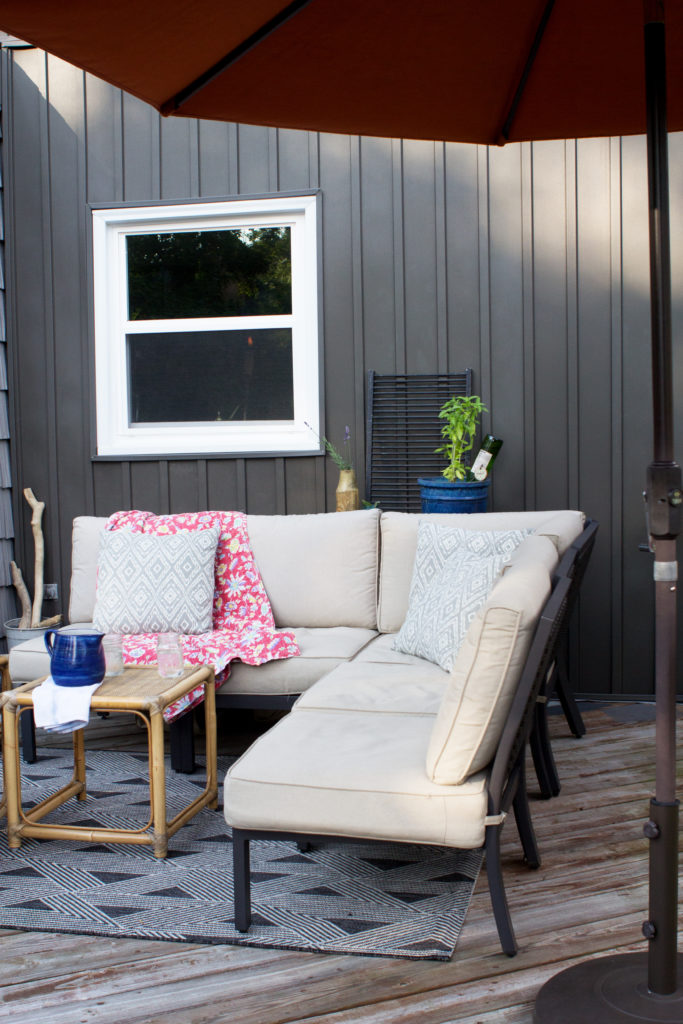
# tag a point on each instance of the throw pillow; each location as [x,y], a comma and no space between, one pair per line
[436,543]
[462,590]
[440,611]
[155,584]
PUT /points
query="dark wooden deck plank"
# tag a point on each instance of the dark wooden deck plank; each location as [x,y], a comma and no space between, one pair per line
[588,898]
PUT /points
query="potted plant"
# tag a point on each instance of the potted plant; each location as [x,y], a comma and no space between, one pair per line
[457,489]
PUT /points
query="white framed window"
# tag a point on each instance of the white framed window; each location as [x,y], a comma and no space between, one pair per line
[206,327]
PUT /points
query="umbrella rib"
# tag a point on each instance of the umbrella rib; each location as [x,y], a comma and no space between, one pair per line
[183,95]
[504,134]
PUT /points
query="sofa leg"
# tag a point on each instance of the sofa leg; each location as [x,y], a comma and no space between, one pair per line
[241,880]
[542,753]
[28,737]
[182,743]
[563,690]
[499,901]
[525,826]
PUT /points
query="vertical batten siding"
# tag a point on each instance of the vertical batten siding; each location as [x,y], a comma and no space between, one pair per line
[7,600]
[527,264]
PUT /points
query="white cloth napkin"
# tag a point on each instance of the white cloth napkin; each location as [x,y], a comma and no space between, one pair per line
[61,708]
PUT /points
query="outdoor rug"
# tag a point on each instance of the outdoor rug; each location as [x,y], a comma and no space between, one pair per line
[363,898]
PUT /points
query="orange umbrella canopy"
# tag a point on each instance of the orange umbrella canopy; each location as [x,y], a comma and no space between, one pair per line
[437,69]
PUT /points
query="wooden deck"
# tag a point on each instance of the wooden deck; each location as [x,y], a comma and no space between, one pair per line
[589,897]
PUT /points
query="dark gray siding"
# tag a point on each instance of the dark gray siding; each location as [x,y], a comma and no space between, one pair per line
[7,599]
[528,264]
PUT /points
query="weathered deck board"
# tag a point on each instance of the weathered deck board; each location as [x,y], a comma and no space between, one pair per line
[588,898]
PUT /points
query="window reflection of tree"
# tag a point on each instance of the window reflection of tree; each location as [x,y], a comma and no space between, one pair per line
[227,272]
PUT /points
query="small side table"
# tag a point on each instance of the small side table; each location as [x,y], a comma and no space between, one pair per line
[140,691]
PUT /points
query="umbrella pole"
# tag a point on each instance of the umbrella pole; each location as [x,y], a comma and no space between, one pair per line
[632,987]
[663,500]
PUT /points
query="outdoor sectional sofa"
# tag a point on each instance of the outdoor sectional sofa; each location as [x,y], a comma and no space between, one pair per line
[381,744]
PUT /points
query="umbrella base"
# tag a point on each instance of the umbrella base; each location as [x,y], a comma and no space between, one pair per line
[609,990]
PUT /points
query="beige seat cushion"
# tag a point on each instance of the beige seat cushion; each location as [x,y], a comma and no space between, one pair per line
[381,650]
[391,689]
[352,774]
[319,570]
[398,537]
[486,672]
[321,649]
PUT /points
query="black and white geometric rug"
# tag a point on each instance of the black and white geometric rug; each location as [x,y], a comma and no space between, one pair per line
[363,898]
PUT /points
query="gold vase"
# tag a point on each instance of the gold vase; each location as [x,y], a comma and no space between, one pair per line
[347,491]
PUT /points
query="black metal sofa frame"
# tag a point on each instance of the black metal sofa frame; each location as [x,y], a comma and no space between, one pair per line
[573,565]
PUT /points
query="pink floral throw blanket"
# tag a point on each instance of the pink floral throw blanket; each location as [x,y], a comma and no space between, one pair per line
[243,624]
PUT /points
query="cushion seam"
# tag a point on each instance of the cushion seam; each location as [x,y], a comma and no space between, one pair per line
[343,789]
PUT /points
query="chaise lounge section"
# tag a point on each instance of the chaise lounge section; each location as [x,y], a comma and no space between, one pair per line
[357,759]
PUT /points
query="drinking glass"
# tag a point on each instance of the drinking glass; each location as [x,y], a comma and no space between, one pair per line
[112,645]
[169,655]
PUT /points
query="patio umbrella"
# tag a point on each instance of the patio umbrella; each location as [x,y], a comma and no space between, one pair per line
[485,71]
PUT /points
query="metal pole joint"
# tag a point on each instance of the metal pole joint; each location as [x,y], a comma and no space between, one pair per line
[663,498]
[651,830]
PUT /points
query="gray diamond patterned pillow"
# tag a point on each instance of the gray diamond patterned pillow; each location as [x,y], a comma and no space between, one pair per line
[155,584]
[453,575]
[436,544]
[435,626]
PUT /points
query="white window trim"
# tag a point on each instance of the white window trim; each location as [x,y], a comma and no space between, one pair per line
[116,436]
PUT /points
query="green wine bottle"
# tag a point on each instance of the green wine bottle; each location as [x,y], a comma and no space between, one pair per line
[490,446]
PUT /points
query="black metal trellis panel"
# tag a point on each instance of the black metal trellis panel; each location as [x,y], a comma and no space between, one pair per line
[402,430]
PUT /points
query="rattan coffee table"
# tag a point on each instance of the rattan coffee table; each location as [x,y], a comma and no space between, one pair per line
[142,692]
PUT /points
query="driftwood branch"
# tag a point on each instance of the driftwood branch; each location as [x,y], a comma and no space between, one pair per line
[22,594]
[39,544]
[54,620]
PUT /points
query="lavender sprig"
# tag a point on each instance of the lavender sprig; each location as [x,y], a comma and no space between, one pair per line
[343,460]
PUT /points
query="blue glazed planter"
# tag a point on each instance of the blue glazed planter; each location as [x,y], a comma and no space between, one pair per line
[441,495]
[76,658]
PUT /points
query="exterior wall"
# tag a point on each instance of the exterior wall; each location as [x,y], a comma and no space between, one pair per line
[528,264]
[7,599]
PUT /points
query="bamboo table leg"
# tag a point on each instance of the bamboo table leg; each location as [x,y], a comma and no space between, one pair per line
[79,762]
[157,782]
[6,685]
[211,740]
[11,771]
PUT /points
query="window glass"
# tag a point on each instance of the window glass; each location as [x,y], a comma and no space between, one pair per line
[238,272]
[211,377]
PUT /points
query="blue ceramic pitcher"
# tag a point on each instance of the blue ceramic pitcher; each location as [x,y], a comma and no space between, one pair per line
[76,657]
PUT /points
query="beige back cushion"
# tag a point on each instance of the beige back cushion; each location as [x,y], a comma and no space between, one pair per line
[535,548]
[486,672]
[85,547]
[398,540]
[319,570]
